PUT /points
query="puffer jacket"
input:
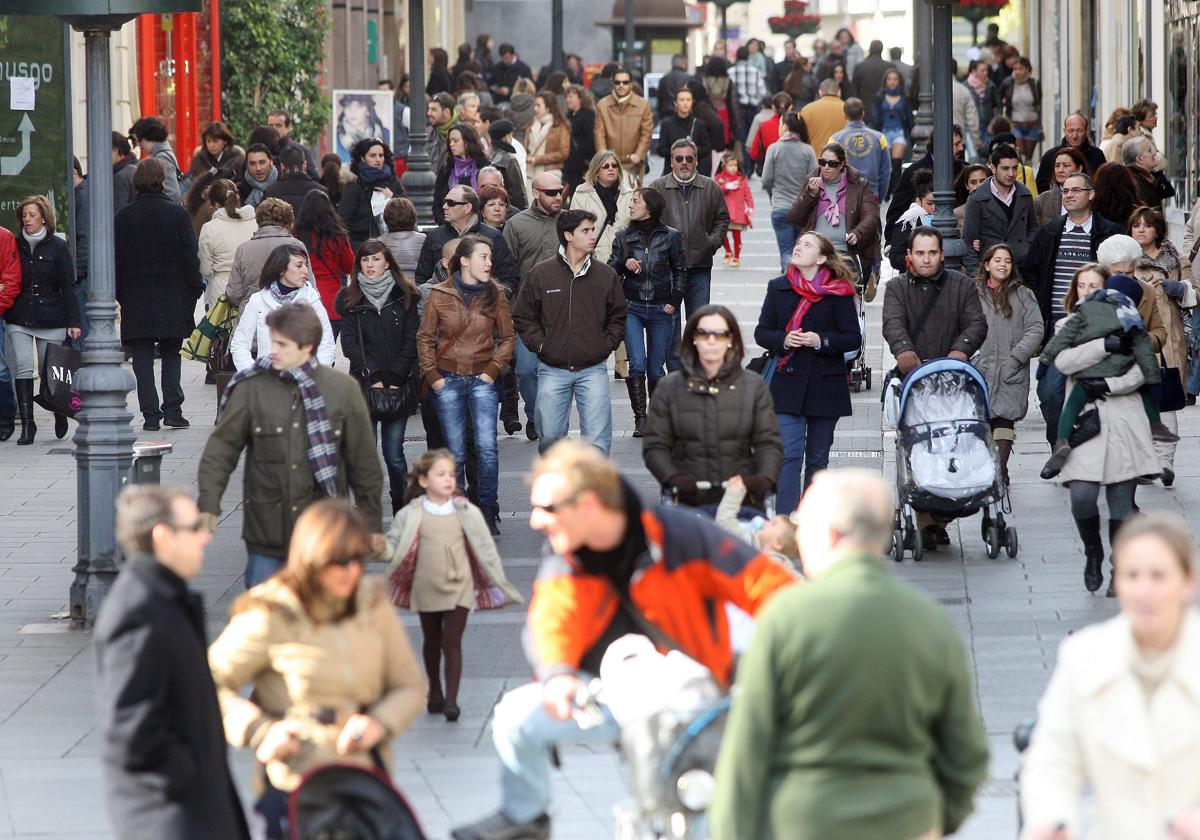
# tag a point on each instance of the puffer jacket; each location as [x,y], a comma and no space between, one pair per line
[699,214]
[303,669]
[711,430]
[663,276]
[955,323]
[264,417]
[381,344]
[252,330]
[1011,343]
[462,340]
[862,215]
[47,290]
[586,198]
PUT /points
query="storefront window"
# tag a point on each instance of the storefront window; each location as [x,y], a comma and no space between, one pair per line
[1181,122]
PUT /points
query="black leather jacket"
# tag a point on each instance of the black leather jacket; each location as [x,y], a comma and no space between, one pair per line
[664,270]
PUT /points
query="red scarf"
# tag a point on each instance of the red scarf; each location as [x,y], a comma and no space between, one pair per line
[810,292]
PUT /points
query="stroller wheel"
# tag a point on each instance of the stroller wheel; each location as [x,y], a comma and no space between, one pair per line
[1011,545]
[985,524]
[992,539]
[897,546]
[868,383]
[918,547]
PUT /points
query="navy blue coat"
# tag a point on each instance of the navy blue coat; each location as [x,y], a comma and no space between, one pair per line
[814,383]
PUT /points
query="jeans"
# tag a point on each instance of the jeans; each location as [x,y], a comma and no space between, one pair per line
[695,295]
[806,443]
[523,734]
[143,371]
[470,395]
[746,115]
[786,235]
[259,567]
[1051,391]
[8,400]
[391,434]
[592,397]
[648,332]
[525,364]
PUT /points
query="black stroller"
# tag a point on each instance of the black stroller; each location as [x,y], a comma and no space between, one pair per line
[350,802]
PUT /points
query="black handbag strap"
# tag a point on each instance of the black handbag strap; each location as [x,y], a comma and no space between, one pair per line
[925,313]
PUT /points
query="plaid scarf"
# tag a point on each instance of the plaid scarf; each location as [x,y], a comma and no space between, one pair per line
[322,447]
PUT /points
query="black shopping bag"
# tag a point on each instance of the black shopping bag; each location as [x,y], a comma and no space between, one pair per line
[57,391]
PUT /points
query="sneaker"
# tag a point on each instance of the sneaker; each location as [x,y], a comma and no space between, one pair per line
[736,262]
[531,430]
[500,827]
[1057,459]
[728,257]
[176,422]
[1160,433]
[151,426]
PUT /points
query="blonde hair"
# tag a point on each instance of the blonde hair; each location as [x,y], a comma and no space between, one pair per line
[44,207]
[1170,529]
[328,531]
[585,468]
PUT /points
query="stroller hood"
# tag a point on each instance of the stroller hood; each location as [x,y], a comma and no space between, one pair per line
[350,802]
[953,366]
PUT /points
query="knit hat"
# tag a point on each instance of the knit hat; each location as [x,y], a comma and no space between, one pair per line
[1003,137]
[1127,286]
[500,129]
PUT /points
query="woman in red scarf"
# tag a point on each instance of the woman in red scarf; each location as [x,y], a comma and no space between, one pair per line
[809,320]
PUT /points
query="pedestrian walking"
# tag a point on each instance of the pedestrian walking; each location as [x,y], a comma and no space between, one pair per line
[648,258]
[826,116]
[571,312]
[683,123]
[1145,164]
[739,203]
[281,121]
[721,94]
[548,137]
[891,114]
[284,280]
[624,124]
[504,157]
[607,195]
[785,175]
[460,167]
[866,149]
[231,225]
[507,72]
[306,433]
[440,79]
[1136,668]
[800,83]
[840,205]
[1049,204]
[442,564]
[986,96]
[464,343]
[374,184]
[275,219]
[461,207]
[403,239]
[495,211]
[750,87]
[333,675]
[808,322]
[150,134]
[902,196]
[293,184]
[1001,210]
[217,150]
[327,241]
[10,287]
[166,771]
[868,75]
[581,114]
[1014,334]
[260,174]
[1076,128]
[929,758]
[123,164]
[711,419]
[765,131]
[158,284]
[378,309]
[519,110]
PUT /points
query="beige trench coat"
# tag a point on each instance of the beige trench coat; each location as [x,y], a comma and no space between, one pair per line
[1142,761]
[586,198]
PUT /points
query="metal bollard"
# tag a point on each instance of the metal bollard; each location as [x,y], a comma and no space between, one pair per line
[147,461]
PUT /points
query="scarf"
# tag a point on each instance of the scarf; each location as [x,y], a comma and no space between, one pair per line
[322,446]
[259,187]
[608,197]
[833,210]
[469,291]
[539,131]
[893,91]
[810,292]
[281,293]
[465,171]
[1127,313]
[980,87]
[377,291]
[645,228]
[684,183]
[35,239]
[373,176]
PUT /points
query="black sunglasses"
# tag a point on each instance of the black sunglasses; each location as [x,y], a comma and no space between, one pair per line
[555,507]
[831,164]
[450,202]
[195,528]
[622,81]
[345,561]
[684,159]
[550,193]
[703,332]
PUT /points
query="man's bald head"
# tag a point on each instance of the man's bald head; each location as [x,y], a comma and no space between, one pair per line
[842,512]
[548,192]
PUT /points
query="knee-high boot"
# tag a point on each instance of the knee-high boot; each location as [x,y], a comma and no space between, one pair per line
[1114,525]
[637,400]
[24,388]
[1004,448]
[1093,551]
[509,414]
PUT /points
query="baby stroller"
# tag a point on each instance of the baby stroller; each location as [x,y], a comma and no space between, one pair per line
[670,496]
[945,460]
[856,361]
[350,802]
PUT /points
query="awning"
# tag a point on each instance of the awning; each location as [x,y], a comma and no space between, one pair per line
[652,14]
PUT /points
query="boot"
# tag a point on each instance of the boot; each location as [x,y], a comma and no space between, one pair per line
[24,389]
[509,415]
[637,400]
[1114,525]
[1159,432]
[651,385]
[1057,459]
[1005,448]
[1093,552]
[60,425]
[491,515]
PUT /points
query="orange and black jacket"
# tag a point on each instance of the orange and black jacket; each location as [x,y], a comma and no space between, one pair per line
[680,584]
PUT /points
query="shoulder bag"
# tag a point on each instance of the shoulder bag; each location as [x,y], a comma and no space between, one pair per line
[386,404]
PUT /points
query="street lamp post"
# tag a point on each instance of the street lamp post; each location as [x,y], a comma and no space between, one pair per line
[556,35]
[630,34]
[923,127]
[943,127]
[419,179]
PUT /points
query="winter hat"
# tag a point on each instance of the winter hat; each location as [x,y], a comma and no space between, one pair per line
[1127,286]
[500,129]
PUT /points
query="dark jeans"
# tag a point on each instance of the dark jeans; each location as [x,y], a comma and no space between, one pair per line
[746,115]
[434,439]
[1051,391]
[143,370]
[695,296]
[806,444]
[648,332]
[390,434]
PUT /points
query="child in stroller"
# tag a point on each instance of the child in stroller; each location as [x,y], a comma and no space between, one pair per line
[774,535]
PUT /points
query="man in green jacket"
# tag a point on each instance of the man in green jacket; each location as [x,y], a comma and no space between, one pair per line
[306,433]
[853,713]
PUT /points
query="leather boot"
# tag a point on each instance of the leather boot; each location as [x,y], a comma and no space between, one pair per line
[492,516]
[651,384]
[1093,552]
[24,388]
[637,400]
[1114,525]
[1004,447]
[509,415]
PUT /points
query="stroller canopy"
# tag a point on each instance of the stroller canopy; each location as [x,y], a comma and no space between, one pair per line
[960,376]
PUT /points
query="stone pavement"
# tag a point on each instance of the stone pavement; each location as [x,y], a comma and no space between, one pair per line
[1011,613]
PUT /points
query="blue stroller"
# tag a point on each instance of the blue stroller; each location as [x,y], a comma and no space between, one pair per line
[946,462]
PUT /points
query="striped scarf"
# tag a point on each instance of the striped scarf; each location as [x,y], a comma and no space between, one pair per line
[322,446]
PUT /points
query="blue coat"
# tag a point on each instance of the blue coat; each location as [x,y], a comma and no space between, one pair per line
[814,383]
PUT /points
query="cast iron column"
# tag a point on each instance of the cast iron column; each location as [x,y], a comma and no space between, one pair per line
[104,440]
[418,180]
[943,127]
[556,35]
[630,34]
[923,127]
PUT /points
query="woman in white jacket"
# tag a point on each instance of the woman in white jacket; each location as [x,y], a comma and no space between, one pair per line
[1122,712]
[284,280]
[221,235]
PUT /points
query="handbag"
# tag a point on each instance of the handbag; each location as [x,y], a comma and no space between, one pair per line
[57,392]
[218,319]
[764,366]
[386,404]
[1086,427]
[1171,395]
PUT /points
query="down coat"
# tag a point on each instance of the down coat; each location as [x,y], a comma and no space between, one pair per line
[1006,352]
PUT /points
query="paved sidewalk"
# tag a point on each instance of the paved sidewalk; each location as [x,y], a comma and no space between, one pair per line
[1012,613]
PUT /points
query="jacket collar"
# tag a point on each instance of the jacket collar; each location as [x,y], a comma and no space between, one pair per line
[862,563]
[161,580]
[583,269]
[1117,635]
[269,231]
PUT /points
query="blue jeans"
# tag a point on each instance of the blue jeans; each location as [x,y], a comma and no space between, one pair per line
[786,235]
[695,295]
[806,444]
[1051,391]
[647,338]
[460,396]
[391,434]
[590,389]
[525,365]
[746,114]
[8,399]
[523,734]
[259,567]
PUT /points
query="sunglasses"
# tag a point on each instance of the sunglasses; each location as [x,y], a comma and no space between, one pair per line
[831,164]
[450,202]
[550,193]
[622,83]
[610,165]
[685,159]
[555,507]
[703,333]
[343,562]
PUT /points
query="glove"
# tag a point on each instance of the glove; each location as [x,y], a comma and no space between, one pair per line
[1118,343]
[683,483]
[758,485]
[1174,289]
[1094,388]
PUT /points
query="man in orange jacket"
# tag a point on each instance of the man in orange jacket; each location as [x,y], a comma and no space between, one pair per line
[615,563]
[10,287]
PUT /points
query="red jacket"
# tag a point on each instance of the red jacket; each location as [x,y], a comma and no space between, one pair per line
[738,198]
[768,134]
[680,585]
[10,269]
[329,266]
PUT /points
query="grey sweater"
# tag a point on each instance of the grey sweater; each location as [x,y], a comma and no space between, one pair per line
[789,164]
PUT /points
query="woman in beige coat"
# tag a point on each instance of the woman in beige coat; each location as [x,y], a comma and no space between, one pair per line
[547,139]
[1121,714]
[221,235]
[333,674]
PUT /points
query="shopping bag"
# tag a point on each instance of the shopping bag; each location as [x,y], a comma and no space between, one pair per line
[219,318]
[57,391]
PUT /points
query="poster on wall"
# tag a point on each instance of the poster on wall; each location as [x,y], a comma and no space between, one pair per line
[358,114]
[33,133]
